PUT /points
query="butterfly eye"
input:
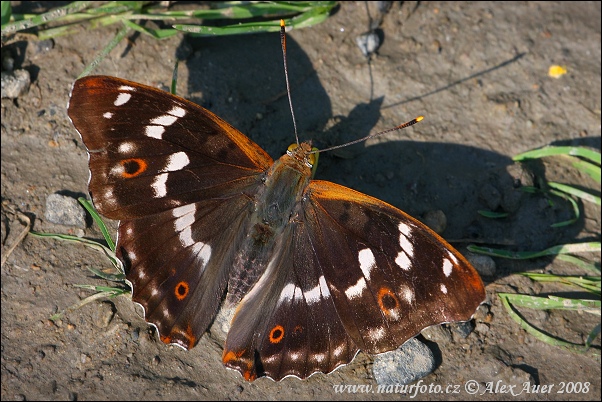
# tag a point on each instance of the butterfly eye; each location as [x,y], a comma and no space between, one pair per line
[291,148]
[311,159]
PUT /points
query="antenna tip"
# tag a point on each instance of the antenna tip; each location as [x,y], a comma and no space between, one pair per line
[419,118]
[281,22]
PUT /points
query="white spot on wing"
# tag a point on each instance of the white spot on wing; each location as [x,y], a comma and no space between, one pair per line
[185,217]
[177,111]
[320,357]
[165,120]
[453,257]
[185,237]
[357,289]
[367,262]
[122,99]
[443,288]
[107,115]
[287,293]
[447,267]
[125,147]
[159,185]
[403,261]
[154,131]
[315,294]
[203,251]
[405,235]
[338,350]
[127,88]
[176,161]
[407,294]
[184,210]
[376,334]
[324,287]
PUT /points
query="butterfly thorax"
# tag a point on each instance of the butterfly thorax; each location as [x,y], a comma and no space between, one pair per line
[275,207]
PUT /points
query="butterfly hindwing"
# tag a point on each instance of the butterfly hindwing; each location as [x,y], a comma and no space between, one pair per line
[287,324]
[145,159]
[179,261]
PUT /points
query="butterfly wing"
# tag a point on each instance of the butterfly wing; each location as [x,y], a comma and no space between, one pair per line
[389,275]
[356,274]
[151,151]
[177,176]
[288,324]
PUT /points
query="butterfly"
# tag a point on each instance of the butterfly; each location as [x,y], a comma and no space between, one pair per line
[317,271]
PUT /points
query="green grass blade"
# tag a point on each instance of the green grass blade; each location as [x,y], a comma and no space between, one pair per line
[592,336]
[243,28]
[553,303]
[6,12]
[523,255]
[550,151]
[98,220]
[108,293]
[590,169]
[174,78]
[155,33]
[576,209]
[41,19]
[589,283]
[88,243]
[506,301]
[104,52]
[575,191]
[119,277]
[492,214]
[312,17]
[586,265]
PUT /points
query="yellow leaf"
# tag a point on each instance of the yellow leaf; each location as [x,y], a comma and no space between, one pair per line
[556,71]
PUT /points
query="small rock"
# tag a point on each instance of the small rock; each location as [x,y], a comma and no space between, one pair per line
[461,329]
[481,328]
[436,220]
[437,333]
[484,264]
[368,43]
[65,210]
[410,362]
[490,196]
[103,314]
[14,83]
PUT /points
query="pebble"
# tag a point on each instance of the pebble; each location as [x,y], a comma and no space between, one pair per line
[408,363]
[65,211]
[15,83]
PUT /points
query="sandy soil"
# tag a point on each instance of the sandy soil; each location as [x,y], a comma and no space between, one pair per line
[478,72]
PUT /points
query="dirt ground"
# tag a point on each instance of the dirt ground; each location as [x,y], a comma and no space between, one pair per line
[478,72]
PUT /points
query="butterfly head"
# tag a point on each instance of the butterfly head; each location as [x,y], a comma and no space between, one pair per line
[303,153]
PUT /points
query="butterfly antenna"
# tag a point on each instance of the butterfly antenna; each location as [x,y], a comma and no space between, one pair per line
[288,87]
[400,127]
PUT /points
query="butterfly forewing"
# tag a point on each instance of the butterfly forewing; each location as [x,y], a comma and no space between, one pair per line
[389,275]
[151,151]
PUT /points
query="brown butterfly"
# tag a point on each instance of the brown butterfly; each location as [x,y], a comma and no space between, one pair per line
[318,271]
